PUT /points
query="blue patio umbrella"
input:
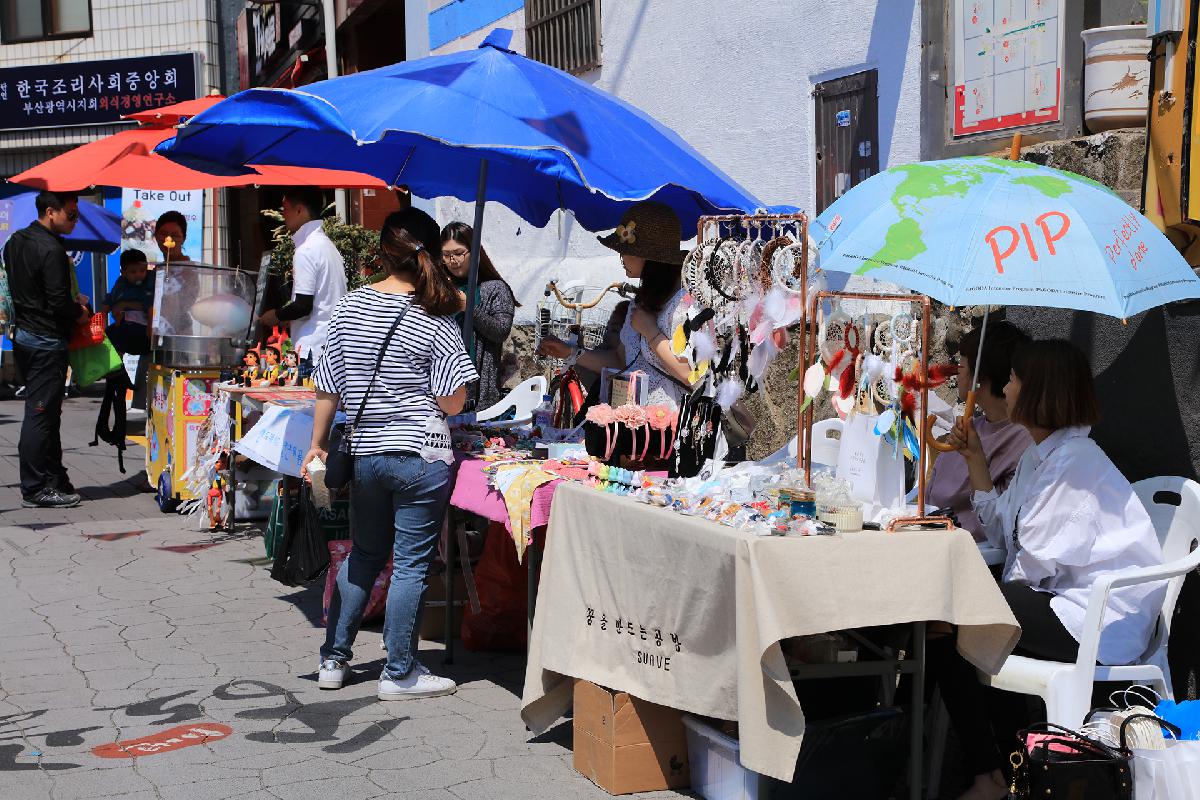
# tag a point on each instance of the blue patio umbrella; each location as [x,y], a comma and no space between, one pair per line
[98,229]
[484,124]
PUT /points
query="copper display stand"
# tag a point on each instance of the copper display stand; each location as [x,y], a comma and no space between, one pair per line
[808,351]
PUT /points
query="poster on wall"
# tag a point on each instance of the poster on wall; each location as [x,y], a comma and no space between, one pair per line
[141,208]
[1007,64]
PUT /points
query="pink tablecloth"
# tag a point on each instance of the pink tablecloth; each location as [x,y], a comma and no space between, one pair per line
[472,493]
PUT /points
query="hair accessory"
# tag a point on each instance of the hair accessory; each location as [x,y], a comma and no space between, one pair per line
[663,419]
[602,414]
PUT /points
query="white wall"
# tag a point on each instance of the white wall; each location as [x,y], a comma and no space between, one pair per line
[735,81]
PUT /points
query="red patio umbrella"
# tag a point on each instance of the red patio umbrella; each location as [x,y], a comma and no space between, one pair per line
[127,159]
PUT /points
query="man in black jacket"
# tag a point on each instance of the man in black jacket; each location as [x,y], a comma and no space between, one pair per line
[47,310]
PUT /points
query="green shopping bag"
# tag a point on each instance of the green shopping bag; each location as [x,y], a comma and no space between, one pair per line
[90,364]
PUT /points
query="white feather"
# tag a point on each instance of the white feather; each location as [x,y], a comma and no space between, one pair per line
[703,346]
[873,367]
[814,379]
[760,358]
[775,306]
[729,392]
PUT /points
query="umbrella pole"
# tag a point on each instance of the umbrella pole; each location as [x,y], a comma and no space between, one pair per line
[473,275]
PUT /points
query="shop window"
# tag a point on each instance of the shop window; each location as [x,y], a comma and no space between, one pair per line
[847,120]
[31,20]
[563,33]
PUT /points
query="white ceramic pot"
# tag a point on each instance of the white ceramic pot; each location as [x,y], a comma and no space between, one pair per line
[1116,77]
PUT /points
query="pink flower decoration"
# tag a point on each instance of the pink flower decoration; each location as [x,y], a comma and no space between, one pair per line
[630,415]
[661,418]
[601,414]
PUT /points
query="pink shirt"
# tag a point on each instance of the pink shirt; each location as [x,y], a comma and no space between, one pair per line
[949,483]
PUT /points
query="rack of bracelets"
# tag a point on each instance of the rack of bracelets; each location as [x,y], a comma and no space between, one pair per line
[880,366]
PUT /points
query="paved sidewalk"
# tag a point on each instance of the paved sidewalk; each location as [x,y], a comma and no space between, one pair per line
[119,622]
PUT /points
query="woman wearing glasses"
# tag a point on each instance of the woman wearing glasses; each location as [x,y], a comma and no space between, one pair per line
[494,307]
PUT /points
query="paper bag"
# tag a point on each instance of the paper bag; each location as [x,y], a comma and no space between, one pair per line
[868,464]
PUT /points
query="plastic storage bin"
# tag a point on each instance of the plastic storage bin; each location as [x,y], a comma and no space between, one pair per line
[717,771]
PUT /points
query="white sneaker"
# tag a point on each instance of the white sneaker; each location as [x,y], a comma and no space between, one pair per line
[419,682]
[332,674]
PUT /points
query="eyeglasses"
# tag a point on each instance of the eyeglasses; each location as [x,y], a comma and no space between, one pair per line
[455,255]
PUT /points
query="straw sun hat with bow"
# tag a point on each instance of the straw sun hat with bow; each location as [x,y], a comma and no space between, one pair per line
[649,230]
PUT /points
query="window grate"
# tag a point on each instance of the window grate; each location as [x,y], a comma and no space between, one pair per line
[563,33]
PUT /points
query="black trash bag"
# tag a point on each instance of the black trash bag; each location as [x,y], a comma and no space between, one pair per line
[303,555]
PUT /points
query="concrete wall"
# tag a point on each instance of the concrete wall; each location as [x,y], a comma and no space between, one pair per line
[736,86]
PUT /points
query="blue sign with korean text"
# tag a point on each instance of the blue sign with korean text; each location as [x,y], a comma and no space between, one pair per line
[93,92]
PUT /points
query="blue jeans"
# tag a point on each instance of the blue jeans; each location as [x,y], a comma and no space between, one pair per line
[397,503]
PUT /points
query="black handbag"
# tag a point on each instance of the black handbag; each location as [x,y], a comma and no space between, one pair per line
[1064,764]
[339,460]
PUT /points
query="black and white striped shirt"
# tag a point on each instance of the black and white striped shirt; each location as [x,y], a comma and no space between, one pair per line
[425,360]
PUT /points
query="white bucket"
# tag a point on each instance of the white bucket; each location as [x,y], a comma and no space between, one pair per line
[1116,77]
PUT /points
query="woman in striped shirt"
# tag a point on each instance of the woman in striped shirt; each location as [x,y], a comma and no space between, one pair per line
[398,497]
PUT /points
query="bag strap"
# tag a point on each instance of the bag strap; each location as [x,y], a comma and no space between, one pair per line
[1079,740]
[1174,730]
[378,363]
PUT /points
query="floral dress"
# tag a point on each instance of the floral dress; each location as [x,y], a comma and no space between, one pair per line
[661,389]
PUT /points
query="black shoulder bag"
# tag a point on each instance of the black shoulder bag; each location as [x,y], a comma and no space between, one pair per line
[339,463]
[1065,764]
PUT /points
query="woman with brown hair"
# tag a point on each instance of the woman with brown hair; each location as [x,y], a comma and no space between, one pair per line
[495,305]
[1067,517]
[648,242]
[398,397]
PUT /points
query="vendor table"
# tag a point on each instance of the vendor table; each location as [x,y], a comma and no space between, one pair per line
[690,614]
[472,493]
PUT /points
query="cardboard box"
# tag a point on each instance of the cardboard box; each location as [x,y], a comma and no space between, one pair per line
[433,619]
[624,745]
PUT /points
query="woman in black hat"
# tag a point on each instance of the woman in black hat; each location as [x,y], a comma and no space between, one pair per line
[648,241]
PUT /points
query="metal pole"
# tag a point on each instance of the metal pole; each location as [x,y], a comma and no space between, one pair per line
[473,275]
[329,18]
[979,351]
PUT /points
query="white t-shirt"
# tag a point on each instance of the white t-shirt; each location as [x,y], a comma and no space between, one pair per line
[1068,517]
[318,270]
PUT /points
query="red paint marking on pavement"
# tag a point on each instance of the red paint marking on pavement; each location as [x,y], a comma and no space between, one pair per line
[112,537]
[164,741]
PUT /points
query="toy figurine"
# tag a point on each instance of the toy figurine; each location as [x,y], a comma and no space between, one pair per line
[250,370]
[291,369]
[216,494]
[270,370]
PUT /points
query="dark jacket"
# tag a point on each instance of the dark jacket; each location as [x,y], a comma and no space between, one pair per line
[493,320]
[39,277]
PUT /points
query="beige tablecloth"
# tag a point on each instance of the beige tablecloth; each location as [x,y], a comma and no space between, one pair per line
[689,614]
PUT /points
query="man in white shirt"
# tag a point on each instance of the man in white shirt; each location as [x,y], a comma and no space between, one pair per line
[318,275]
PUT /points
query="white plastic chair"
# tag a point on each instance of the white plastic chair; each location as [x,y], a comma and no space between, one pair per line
[1173,504]
[524,398]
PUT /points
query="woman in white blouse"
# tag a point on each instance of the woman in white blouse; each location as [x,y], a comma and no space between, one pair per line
[1067,517]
